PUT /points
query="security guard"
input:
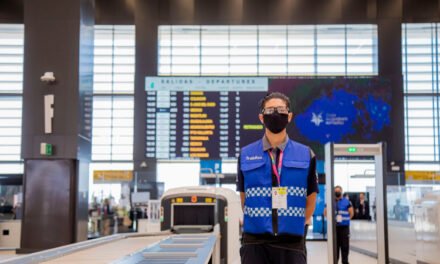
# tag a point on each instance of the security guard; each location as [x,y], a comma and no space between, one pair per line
[277,182]
[344,212]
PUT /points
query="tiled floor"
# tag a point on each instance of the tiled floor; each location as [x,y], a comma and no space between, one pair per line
[317,254]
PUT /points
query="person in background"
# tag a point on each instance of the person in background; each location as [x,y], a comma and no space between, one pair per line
[107,217]
[362,208]
[397,210]
[344,212]
[277,181]
[374,209]
[106,208]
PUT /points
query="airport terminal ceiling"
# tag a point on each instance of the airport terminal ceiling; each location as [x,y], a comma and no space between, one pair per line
[122,12]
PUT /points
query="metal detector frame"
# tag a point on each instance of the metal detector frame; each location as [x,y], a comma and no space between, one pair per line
[378,151]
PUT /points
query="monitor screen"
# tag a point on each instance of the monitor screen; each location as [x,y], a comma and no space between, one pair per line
[202,117]
[339,110]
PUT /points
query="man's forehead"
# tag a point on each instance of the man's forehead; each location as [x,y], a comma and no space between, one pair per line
[275,102]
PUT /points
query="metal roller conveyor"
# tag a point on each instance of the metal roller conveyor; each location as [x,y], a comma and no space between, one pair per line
[97,251]
[188,245]
[185,249]
[189,240]
[165,255]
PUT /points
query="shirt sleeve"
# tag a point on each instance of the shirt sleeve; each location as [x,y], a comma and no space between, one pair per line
[312,179]
[240,178]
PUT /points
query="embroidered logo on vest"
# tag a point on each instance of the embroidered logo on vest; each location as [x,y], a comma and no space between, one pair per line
[254,157]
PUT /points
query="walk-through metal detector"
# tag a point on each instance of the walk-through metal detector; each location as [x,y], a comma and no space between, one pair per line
[357,151]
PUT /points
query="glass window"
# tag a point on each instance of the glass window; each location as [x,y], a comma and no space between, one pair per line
[268,50]
[114,55]
[11,58]
[113,127]
[11,88]
[113,105]
[421,91]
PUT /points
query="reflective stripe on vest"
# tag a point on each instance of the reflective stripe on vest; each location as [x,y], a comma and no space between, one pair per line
[267,191]
[257,172]
[257,211]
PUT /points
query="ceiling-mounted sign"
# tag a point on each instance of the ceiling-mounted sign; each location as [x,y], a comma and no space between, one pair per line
[422,176]
[112,176]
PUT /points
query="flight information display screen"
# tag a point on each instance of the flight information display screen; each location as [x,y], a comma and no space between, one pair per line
[202,117]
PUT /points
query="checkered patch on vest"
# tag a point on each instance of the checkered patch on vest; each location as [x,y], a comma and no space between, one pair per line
[258,192]
[292,211]
[257,212]
[297,191]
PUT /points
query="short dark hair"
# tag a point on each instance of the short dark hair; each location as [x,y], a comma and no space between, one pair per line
[274,95]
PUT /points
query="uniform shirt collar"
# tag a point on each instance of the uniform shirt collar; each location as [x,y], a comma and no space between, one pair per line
[267,146]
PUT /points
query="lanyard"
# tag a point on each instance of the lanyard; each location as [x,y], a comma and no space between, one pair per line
[274,168]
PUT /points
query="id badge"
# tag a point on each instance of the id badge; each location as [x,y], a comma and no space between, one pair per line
[279,197]
[339,218]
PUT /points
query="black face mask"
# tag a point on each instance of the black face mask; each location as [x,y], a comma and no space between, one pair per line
[338,194]
[276,122]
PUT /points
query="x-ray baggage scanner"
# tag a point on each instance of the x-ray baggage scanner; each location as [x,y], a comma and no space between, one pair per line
[356,152]
[202,209]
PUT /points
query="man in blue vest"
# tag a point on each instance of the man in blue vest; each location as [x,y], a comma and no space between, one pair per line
[344,212]
[277,182]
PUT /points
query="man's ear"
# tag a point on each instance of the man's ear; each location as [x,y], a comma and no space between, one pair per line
[290,116]
[260,116]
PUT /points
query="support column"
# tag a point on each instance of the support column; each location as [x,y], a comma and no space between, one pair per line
[389,29]
[58,39]
[147,22]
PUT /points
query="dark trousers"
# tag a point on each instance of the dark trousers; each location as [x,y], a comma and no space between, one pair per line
[269,254]
[306,229]
[343,242]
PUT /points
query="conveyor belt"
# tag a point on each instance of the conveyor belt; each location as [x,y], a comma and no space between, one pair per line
[132,249]
[108,252]
[101,250]
[177,249]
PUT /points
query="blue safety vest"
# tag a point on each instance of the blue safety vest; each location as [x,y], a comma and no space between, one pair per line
[257,171]
[342,209]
